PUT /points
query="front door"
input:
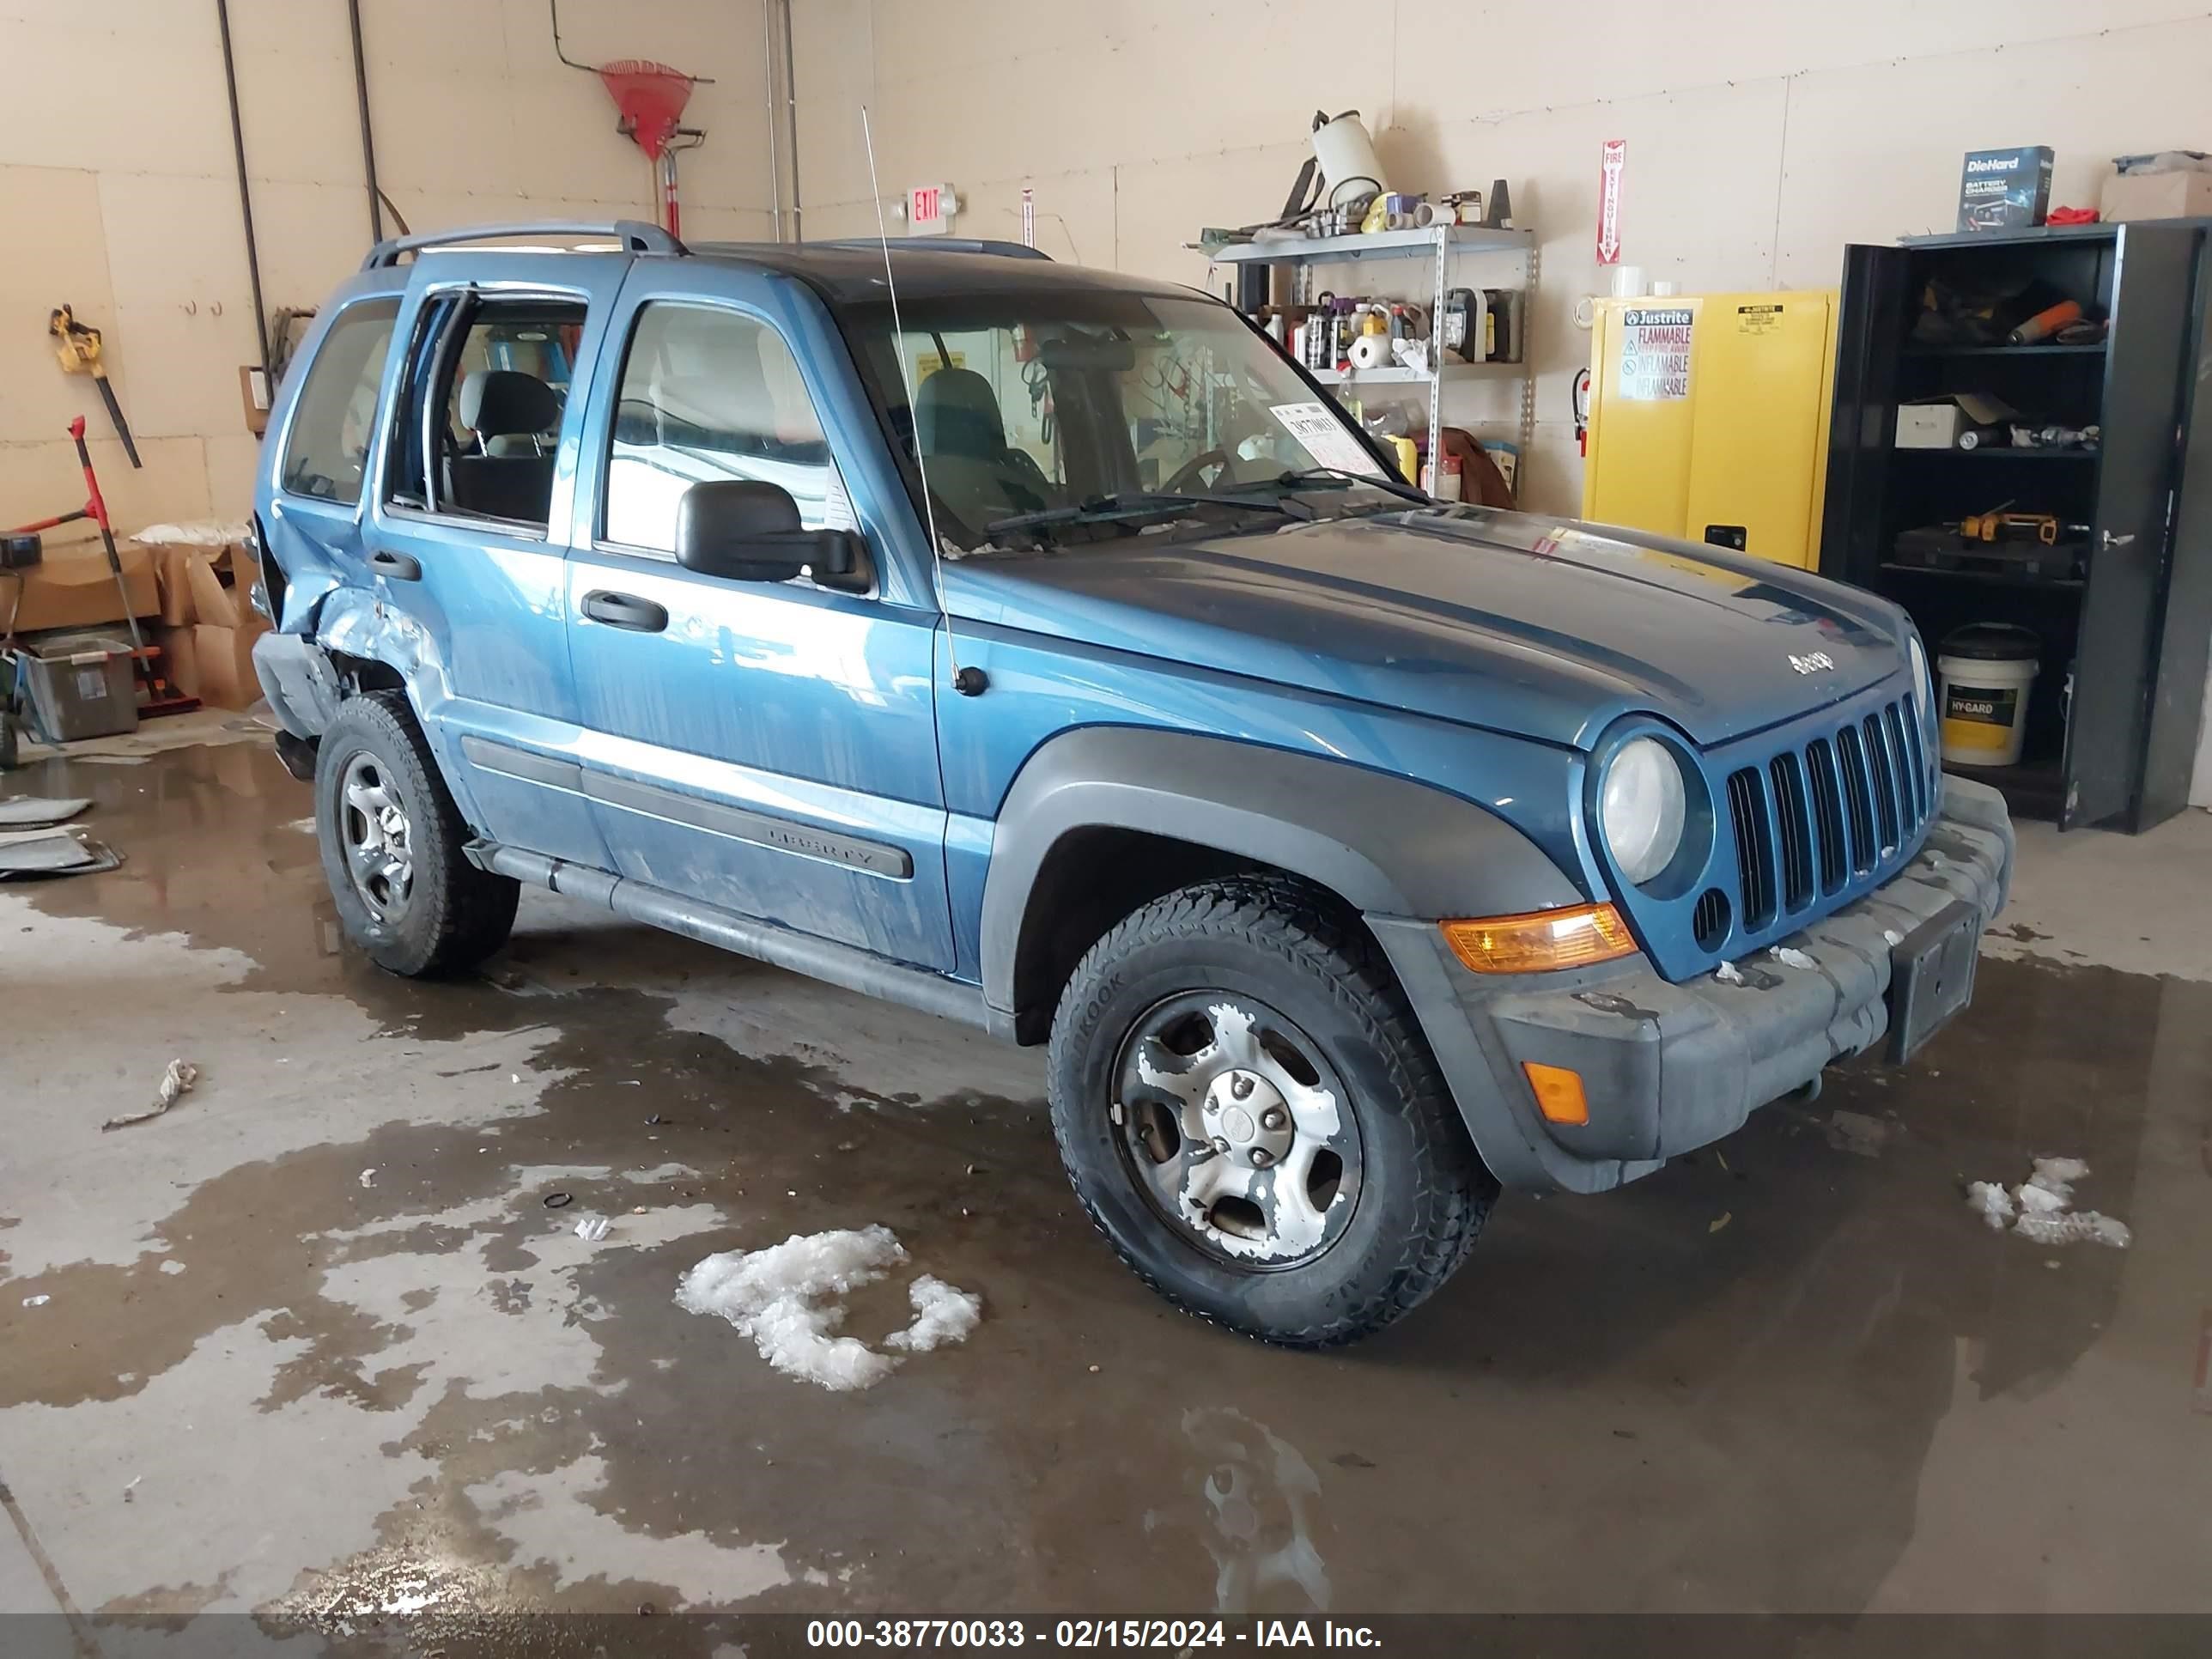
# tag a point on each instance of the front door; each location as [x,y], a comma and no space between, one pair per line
[766,748]
[467,537]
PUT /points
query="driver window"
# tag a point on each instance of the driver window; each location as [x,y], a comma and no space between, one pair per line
[709,393]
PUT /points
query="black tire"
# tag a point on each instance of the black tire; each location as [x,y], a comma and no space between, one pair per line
[454,915]
[1422,1193]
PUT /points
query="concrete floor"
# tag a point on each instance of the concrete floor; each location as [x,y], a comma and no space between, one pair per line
[315,1350]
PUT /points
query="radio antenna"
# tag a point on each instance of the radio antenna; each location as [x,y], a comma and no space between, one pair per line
[968,681]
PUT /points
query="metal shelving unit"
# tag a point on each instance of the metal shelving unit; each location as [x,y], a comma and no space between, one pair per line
[1440,244]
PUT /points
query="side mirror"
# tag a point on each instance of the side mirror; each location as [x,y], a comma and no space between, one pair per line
[747,531]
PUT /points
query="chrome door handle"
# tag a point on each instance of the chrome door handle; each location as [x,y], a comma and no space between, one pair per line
[2108,541]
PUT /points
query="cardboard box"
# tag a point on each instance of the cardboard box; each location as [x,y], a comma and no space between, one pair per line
[174,563]
[169,563]
[2005,189]
[76,589]
[1930,426]
[179,662]
[211,599]
[224,662]
[245,577]
[2181,194]
[1938,422]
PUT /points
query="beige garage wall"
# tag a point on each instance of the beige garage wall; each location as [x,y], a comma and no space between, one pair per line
[1762,137]
[120,194]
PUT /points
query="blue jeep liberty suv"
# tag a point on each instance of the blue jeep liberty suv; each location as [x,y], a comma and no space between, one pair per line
[1040,647]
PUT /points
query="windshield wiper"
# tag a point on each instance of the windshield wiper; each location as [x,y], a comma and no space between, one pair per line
[1313,477]
[1269,496]
[1142,504]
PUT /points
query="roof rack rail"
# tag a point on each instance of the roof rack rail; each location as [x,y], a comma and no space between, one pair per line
[635,234]
[938,244]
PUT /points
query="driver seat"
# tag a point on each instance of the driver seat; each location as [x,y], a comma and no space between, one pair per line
[962,434]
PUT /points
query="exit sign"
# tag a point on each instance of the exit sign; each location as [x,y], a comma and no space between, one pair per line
[929,210]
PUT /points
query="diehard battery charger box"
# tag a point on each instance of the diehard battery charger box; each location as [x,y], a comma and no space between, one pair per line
[2005,189]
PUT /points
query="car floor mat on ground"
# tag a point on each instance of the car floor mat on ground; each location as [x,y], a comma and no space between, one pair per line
[57,854]
[38,812]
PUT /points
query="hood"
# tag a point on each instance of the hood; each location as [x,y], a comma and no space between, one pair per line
[1541,628]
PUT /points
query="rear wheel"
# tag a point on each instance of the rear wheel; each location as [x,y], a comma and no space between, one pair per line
[1250,1114]
[391,839]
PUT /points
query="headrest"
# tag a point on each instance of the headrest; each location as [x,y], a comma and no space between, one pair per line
[501,401]
[957,413]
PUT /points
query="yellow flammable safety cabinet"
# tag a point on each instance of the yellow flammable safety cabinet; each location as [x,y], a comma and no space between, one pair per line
[1709,418]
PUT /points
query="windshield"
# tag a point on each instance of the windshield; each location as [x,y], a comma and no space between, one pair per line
[1052,400]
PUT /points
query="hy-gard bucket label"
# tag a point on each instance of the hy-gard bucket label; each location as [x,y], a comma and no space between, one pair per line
[1985,713]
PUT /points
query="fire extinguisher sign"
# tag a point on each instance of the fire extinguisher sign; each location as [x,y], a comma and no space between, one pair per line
[1613,161]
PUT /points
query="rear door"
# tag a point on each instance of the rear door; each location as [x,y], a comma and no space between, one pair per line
[467,537]
[766,748]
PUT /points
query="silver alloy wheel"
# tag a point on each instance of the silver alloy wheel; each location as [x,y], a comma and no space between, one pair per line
[377,838]
[1236,1128]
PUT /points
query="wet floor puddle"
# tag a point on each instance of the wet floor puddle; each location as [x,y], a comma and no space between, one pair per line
[1621,1373]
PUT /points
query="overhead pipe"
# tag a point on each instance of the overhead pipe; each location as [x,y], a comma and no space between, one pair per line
[791,106]
[367,139]
[768,70]
[244,191]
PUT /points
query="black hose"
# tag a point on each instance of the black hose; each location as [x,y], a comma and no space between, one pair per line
[367,139]
[244,191]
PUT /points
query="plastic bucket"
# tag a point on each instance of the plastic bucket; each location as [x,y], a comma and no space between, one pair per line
[1987,670]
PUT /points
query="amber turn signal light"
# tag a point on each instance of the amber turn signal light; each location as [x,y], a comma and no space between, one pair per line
[1558,1092]
[1543,940]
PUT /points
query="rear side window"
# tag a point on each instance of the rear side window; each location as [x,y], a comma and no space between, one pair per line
[327,451]
[493,375]
[708,393]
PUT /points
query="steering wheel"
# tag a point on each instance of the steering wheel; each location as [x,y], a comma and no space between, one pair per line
[1187,474]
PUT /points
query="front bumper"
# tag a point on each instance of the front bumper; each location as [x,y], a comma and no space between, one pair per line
[1670,1068]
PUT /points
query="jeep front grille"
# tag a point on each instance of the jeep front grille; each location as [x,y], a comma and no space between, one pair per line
[1812,819]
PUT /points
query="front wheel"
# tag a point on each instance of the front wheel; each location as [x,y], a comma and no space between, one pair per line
[1248,1109]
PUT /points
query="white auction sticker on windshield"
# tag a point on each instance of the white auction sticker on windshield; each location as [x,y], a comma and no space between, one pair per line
[1322,433]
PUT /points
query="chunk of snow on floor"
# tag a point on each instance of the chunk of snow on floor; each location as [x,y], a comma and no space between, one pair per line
[789,1300]
[1790,958]
[2058,1174]
[1728,974]
[2080,1227]
[2045,1200]
[1993,1203]
[942,1313]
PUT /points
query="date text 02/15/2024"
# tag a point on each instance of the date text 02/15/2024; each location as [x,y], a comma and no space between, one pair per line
[1173,1635]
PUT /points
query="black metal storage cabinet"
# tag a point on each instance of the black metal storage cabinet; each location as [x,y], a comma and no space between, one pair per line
[2124,605]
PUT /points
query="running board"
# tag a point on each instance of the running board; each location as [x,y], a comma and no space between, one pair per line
[781,947]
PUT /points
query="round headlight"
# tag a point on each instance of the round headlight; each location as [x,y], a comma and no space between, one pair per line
[1641,808]
[1924,688]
